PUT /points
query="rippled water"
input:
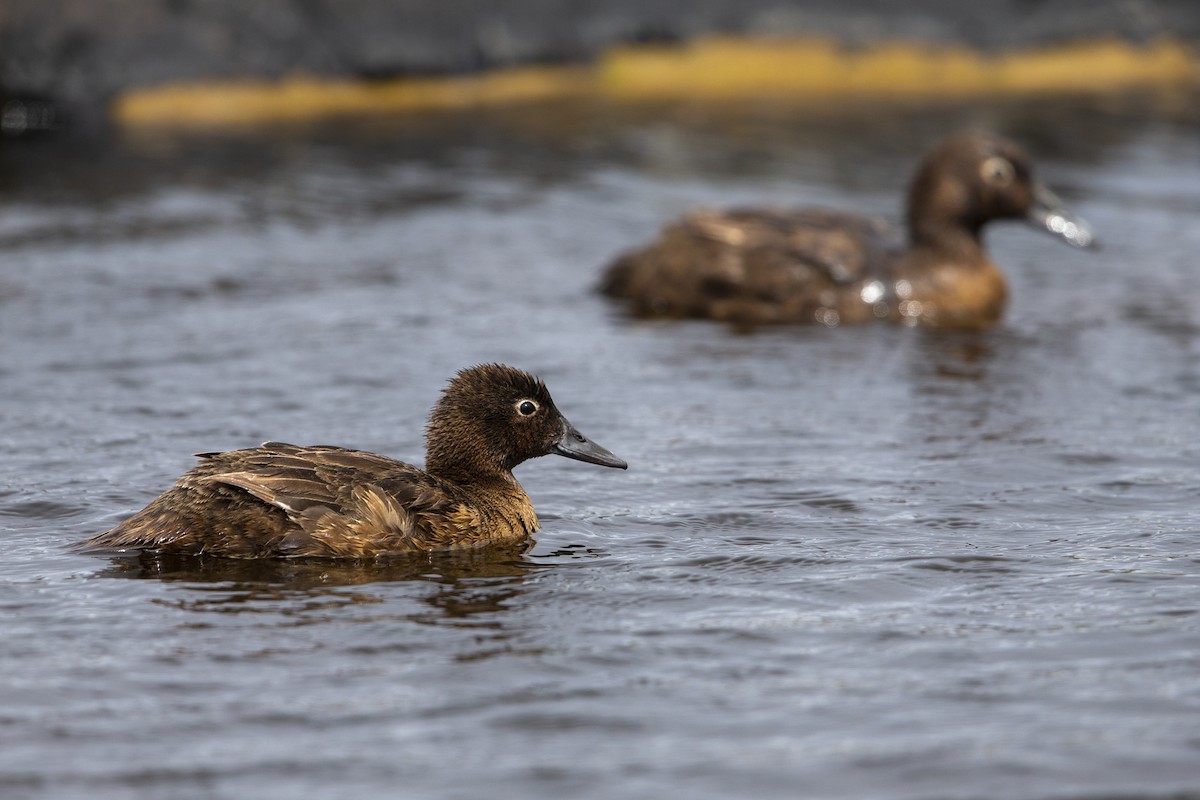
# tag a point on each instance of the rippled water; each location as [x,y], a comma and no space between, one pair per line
[843,563]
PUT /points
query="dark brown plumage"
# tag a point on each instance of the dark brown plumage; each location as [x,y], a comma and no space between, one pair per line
[755,267]
[280,500]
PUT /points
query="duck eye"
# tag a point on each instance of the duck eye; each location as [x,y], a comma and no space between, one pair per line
[997,171]
[527,408]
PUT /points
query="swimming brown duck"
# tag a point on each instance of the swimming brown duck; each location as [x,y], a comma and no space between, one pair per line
[281,500]
[754,267]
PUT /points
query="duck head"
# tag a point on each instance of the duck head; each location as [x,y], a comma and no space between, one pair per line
[492,417]
[971,178]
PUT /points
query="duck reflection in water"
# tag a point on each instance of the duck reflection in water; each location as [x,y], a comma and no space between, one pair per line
[763,266]
[468,583]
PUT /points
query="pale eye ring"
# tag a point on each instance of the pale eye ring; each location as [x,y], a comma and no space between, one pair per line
[997,171]
[526,408]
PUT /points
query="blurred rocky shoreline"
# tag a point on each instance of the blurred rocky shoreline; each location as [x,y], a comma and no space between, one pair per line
[67,59]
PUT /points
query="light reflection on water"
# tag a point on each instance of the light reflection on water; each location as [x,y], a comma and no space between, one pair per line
[859,562]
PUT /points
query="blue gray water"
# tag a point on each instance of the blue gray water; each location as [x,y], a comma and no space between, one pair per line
[843,563]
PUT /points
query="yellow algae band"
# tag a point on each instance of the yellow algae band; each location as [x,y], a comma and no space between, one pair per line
[253,102]
[731,67]
[712,68]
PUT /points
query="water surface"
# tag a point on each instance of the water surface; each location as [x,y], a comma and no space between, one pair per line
[844,563]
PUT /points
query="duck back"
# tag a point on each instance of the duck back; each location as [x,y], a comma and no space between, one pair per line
[760,266]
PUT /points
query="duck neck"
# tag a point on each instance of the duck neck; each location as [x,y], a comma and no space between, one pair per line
[457,450]
[942,218]
[463,468]
[956,239]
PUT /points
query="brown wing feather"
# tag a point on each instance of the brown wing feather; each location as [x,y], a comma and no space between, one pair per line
[291,490]
[281,499]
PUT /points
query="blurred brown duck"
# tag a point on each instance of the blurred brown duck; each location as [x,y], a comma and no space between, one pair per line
[755,267]
[280,500]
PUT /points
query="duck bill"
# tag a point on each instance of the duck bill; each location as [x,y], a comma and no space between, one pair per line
[574,444]
[1049,214]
